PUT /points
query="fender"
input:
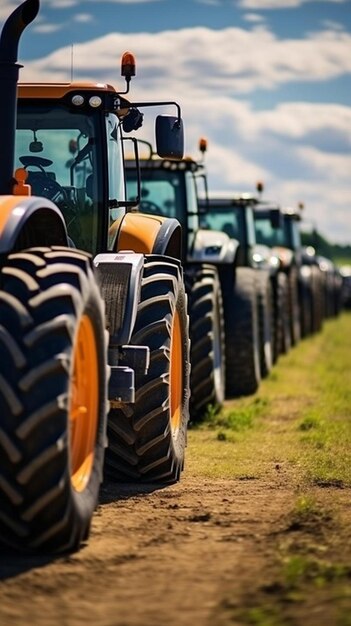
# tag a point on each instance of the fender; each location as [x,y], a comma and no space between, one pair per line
[29,221]
[212,246]
[146,234]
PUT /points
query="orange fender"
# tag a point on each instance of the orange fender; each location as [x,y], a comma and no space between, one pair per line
[39,217]
[146,234]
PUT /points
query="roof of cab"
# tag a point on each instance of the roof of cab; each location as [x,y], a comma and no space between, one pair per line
[59,90]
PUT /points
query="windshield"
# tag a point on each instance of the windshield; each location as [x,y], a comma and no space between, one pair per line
[62,153]
[162,191]
[115,166]
[270,235]
[266,233]
[228,219]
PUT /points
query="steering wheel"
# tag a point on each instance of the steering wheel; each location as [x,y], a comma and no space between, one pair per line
[146,206]
[47,187]
[35,160]
[41,182]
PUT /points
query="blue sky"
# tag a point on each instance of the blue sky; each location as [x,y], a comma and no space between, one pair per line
[268,82]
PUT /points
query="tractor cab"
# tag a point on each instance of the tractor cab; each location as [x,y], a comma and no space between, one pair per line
[168,189]
[69,149]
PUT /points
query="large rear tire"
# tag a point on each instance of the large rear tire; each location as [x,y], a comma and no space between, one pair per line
[318,306]
[242,334]
[282,314]
[53,398]
[207,355]
[266,321]
[306,306]
[294,306]
[147,441]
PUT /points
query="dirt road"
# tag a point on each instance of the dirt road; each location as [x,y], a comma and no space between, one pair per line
[197,553]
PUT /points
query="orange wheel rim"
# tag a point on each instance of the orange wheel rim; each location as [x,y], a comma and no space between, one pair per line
[84,405]
[176,374]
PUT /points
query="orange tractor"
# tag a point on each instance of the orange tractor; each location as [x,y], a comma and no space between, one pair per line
[94,346]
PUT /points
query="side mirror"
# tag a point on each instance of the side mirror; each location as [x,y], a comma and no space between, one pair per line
[169,137]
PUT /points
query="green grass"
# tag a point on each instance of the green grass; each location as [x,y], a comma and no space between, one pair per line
[299,423]
[300,418]
[300,570]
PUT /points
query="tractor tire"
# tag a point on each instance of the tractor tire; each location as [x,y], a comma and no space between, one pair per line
[282,314]
[265,320]
[53,398]
[294,306]
[318,304]
[147,441]
[242,334]
[207,352]
[306,305]
[276,338]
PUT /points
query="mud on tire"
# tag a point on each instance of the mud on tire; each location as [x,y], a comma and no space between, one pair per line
[53,398]
[146,442]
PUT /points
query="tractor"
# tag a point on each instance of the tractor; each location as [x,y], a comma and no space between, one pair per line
[312,244]
[170,188]
[298,264]
[94,347]
[250,290]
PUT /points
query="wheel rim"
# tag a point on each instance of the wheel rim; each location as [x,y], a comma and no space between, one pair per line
[176,374]
[84,405]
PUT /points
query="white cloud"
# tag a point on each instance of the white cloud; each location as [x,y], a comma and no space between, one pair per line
[9,5]
[325,205]
[58,4]
[232,169]
[215,3]
[293,171]
[83,17]
[332,25]
[193,55]
[6,7]
[278,4]
[297,119]
[253,17]
[128,1]
[335,167]
[300,149]
[45,28]
[61,4]
[276,148]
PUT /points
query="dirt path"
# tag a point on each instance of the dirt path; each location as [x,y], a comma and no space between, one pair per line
[197,553]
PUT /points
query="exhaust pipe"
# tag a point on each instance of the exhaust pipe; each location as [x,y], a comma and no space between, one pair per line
[9,70]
